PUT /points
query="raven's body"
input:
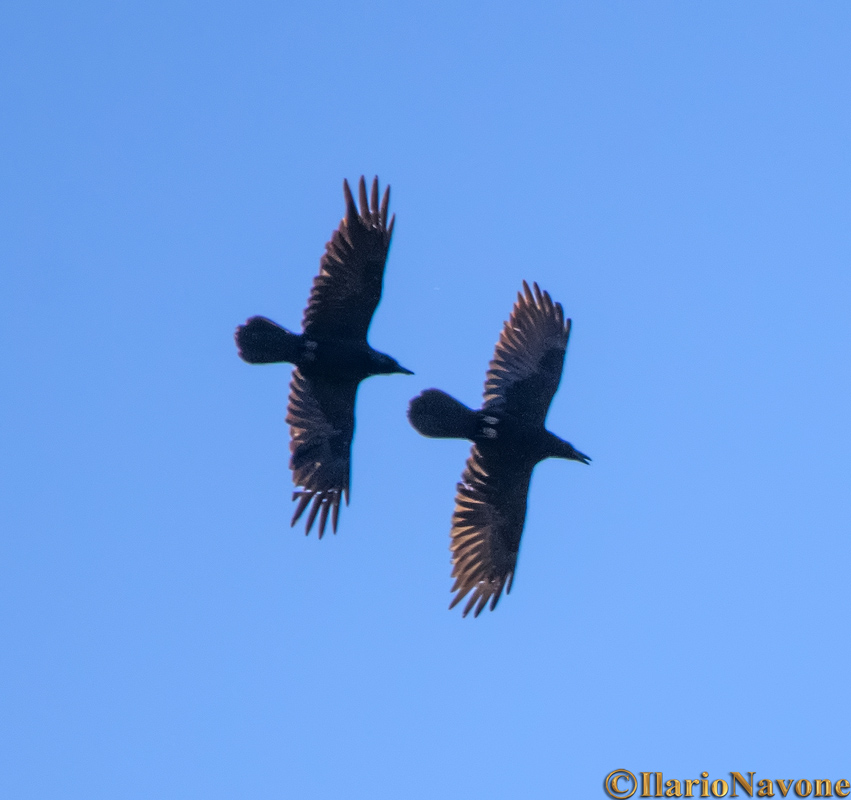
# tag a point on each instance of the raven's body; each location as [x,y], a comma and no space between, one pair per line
[262,341]
[495,431]
[331,356]
[509,439]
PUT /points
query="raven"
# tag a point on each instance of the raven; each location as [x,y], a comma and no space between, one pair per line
[331,356]
[509,438]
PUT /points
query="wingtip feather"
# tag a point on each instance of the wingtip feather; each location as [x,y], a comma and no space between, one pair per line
[314,510]
[483,601]
[385,204]
[373,200]
[323,518]
[364,203]
[351,208]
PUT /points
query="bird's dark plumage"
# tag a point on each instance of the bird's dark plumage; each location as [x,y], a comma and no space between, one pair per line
[509,439]
[347,289]
[331,356]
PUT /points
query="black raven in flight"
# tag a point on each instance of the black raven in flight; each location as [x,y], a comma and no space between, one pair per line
[331,356]
[509,439]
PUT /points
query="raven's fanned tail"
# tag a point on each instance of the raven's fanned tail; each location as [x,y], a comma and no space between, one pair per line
[261,341]
[439,415]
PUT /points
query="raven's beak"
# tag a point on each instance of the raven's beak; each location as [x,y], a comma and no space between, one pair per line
[577,456]
[404,371]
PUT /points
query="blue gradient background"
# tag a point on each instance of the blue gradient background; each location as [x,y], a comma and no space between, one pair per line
[676,174]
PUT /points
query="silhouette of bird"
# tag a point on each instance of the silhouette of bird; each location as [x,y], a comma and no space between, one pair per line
[331,356]
[509,438]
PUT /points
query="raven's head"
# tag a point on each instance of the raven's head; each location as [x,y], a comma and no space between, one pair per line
[559,448]
[385,365]
[575,455]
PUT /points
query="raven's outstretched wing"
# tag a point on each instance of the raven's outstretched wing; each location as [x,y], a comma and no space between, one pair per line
[527,362]
[490,509]
[321,415]
[347,289]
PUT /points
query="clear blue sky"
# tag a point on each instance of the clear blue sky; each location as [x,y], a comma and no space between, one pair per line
[676,174]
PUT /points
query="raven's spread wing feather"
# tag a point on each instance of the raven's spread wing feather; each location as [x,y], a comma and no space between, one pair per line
[347,289]
[526,367]
[490,509]
[321,415]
